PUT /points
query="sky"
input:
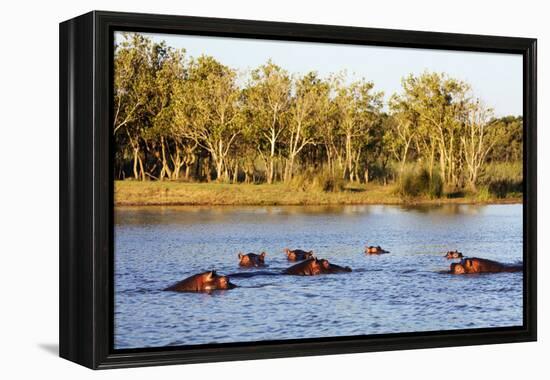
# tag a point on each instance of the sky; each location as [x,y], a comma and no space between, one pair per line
[495,78]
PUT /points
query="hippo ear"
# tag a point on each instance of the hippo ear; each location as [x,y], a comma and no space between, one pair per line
[263,254]
[240,255]
[210,275]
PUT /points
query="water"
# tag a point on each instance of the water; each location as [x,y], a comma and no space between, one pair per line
[403,291]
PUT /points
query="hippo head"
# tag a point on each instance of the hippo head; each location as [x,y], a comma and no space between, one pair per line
[244,259]
[457,268]
[251,259]
[453,255]
[291,254]
[373,249]
[324,263]
[222,282]
[315,266]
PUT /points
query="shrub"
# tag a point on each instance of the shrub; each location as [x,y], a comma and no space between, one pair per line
[435,189]
[320,180]
[503,188]
[483,193]
[417,182]
[327,182]
[503,179]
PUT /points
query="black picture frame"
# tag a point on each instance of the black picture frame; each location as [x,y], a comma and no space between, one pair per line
[86,188]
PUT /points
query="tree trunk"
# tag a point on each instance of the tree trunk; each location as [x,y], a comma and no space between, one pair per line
[136,155]
[236,172]
[289,169]
[165,171]
[141,169]
[271,171]
[219,170]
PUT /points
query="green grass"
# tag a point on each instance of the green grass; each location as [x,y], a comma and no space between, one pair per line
[503,180]
[134,193]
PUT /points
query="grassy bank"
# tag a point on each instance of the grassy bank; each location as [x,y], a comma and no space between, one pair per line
[133,193]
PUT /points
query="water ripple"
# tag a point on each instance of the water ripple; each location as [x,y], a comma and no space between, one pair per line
[406,290]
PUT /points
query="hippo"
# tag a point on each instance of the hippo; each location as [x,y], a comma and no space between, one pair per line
[202,282]
[476,265]
[298,254]
[309,267]
[327,267]
[371,250]
[252,259]
[453,255]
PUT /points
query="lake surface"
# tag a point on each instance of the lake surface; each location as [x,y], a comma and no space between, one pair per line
[404,291]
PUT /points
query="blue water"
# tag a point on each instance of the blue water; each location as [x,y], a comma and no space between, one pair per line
[403,291]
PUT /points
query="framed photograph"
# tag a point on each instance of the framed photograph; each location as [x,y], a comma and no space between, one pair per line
[234,189]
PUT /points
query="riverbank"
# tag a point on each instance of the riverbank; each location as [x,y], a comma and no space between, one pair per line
[149,193]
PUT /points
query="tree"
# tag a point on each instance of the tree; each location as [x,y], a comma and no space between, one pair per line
[438,101]
[306,113]
[358,108]
[329,128]
[207,108]
[170,71]
[402,131]
[476,141]
[268,100]
[133,88]
[175,114]
[508,134]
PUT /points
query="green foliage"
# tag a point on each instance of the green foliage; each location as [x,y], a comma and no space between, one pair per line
[507,133]
[503,179]
[483,194]
[317,180]
[186,118]
[417,182]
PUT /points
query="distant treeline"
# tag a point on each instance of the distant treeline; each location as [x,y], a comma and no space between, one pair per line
[193,118]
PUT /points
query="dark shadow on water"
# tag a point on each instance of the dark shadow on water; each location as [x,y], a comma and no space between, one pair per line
[254,274]
[51,348]
[258,286]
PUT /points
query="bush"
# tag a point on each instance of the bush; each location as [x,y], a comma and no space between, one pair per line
[417,182]
[323,180]
[503,179]
[503,188]
[327,182]
[435,189]
[483,194]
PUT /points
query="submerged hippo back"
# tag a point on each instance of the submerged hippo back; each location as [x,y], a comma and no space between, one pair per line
[309,267]
[489,266]
[195,283]
[477,265]
[202,282]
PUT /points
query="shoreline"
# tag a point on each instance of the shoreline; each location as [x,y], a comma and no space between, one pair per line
[140,194]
